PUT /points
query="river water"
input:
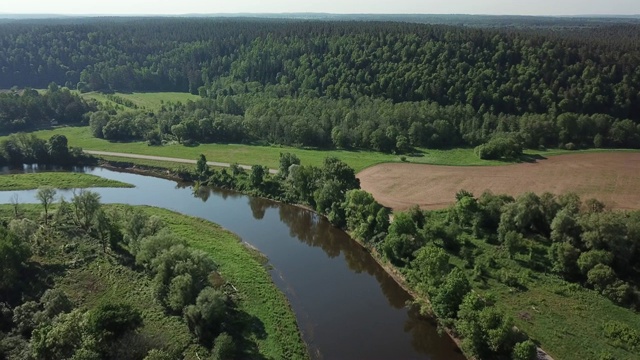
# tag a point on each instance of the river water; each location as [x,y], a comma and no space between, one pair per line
[347,307]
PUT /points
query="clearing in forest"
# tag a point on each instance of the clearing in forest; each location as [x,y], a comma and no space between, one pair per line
[613,178]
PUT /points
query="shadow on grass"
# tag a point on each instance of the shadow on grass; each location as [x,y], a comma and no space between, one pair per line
[244,328]
[531,158]
[524,158]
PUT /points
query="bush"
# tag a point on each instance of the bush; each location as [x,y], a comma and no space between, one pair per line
[622,335]
[111,321]
[156,354]
[223,347]
[525,350]
[206,317]
[502,146]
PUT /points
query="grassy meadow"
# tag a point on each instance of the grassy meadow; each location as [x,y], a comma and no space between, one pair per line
[269,155]
[566,319]
[149,101]
[58,180]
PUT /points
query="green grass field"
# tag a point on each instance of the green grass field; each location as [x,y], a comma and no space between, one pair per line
[58,180]
[566,319]
[269,155]
[244,269]
[150,101]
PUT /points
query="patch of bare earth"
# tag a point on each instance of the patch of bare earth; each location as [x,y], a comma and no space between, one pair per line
[613,178]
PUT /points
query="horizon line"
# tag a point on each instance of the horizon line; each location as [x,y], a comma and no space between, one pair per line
[310,13]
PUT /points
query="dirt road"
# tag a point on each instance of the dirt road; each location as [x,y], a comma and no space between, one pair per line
[162,158]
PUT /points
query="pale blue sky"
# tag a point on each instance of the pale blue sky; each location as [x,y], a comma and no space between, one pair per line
[499,7]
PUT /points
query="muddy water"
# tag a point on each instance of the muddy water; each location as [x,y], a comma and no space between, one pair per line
[346,305]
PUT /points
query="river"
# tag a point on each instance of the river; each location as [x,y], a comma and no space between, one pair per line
[346,305]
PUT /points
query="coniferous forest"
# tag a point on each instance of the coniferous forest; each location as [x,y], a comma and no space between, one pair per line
[385,86]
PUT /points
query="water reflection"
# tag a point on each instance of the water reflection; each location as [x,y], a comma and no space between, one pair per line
[346,305]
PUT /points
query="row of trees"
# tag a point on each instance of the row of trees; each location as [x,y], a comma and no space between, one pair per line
[366,123]
[24,148]
[30,109]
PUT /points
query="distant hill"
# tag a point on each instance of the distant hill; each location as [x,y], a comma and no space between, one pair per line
[450,19]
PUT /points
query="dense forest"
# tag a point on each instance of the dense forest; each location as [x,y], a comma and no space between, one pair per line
[375,85]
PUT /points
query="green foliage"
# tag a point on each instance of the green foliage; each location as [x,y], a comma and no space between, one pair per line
[46,196]
[564,257]
[363,215]
[450,294]
[224,347]
[61,339]
[486,332]
[257,175]
[206,317]
[588,260]
[55,302]
[601,276]
[621,335]
[500,147]
[156,354]
[14,253]
[180,261]
[429,268]
[526,350]
[108,322]
[202,168]
[29,181]
[286,161]
[86,206]
[152,246]
[584,244]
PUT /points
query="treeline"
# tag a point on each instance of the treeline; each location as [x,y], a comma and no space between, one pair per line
[40,320]
[21,148]
[593,71]
[260,115]
[30,109]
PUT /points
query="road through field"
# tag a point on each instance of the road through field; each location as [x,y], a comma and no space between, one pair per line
[162,158]
[613,178]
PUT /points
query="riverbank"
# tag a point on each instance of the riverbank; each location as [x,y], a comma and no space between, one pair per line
[379,259]
[392,271]
[268,325]
[57,180]
[244,268]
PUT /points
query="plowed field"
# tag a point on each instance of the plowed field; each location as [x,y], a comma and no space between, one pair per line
[613,178]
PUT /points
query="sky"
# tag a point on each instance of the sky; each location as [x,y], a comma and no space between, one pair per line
[167,7]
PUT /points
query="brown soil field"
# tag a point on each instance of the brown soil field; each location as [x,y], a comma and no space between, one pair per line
[613,178]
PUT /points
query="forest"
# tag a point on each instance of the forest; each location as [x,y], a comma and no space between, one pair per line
[383,86]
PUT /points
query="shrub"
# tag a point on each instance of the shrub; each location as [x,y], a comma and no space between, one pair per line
[111,321]
[501,146]
[223,347]
[622,335]
[525,350]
